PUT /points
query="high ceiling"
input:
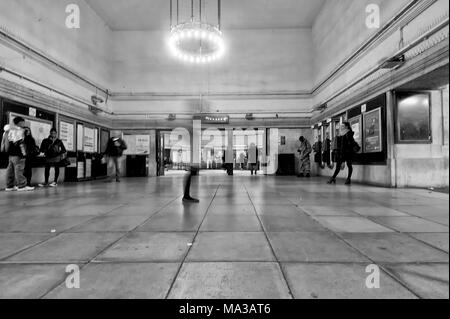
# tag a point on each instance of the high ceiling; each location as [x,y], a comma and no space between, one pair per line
[145,15]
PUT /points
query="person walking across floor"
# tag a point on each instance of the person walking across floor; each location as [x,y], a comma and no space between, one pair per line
[54,150]
[345,153]
[305,161]
[253,158]
[114,150]
[14,145]
[32,152]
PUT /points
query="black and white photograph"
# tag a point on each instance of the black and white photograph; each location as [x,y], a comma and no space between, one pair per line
[224,158]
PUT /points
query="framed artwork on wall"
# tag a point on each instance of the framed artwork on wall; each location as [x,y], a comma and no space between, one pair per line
[373,142]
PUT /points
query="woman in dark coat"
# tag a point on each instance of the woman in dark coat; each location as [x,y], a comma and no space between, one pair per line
[32,152]
[346,152]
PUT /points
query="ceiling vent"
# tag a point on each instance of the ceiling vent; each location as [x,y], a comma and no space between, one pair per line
[393,63]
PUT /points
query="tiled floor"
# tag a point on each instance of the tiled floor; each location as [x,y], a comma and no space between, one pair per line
[249,237]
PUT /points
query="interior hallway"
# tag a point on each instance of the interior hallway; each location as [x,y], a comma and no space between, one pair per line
[252,237]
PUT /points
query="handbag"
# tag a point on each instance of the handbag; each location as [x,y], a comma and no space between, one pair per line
[356,147]
[64,161]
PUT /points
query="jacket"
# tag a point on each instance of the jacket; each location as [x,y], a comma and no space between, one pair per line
[115,147]
[16,142]
[52,149]
[346,146]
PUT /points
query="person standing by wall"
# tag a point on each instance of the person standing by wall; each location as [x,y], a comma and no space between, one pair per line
[16,149]
[305,161]
[32,152]
[114,151]
[53,149]
[346,150]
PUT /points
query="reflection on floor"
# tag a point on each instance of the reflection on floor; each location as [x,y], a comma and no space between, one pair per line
[250,237]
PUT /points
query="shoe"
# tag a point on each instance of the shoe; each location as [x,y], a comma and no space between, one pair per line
[348,182]
[117,180]
[25,189]
[308,175]
[332,181]
[11,189]
[190,200]
[300,175]
[43,185]
[53,184]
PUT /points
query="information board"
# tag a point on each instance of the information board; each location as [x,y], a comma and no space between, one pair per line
[66,135]
[88,143]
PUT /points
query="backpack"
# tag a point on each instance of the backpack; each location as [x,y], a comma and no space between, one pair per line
[5,143]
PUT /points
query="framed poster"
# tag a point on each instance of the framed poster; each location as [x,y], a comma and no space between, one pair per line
[372,132]
[96,140]
[40,129]
[142,144]
[88,143]
[356,124]
[66,135]
[130,140]
[80,137]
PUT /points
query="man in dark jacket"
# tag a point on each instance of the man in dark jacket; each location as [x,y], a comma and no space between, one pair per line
[16,161]
[53,149]
[114,150]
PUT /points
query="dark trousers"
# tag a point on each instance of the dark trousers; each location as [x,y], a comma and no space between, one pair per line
[253,167]
[338,169]
[28,171]
[187,183]
[47,171]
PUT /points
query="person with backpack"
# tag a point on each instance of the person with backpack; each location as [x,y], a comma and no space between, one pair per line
[13,143]
[32,152]
[54,150]
[114,150]
[347,148]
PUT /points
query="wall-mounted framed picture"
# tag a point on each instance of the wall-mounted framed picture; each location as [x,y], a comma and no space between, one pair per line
[373,139]
[66,134]
[80,137]
[356,124]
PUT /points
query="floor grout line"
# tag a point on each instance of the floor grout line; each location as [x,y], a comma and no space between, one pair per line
[190,247]
[271,247]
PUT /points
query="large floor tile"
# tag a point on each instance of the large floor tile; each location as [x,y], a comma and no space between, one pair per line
[13,242]
[439,240]
[302,223]
[378,211]
[172,222]
[230,246]
[39,224]
[231,223]
[120,281]
[411,225]
[110,224]
[230,281]
[340,281]
[74,247]
[351,225]
[231,210]
[312,247]
[327,211]
[394,248]
[19,281]
[430,281]
[139,247]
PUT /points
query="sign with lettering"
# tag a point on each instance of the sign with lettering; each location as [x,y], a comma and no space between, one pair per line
[215,119]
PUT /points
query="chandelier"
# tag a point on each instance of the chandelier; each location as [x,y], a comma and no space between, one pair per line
[195,40]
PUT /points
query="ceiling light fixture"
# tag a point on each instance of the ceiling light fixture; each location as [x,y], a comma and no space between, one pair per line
[195,41]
